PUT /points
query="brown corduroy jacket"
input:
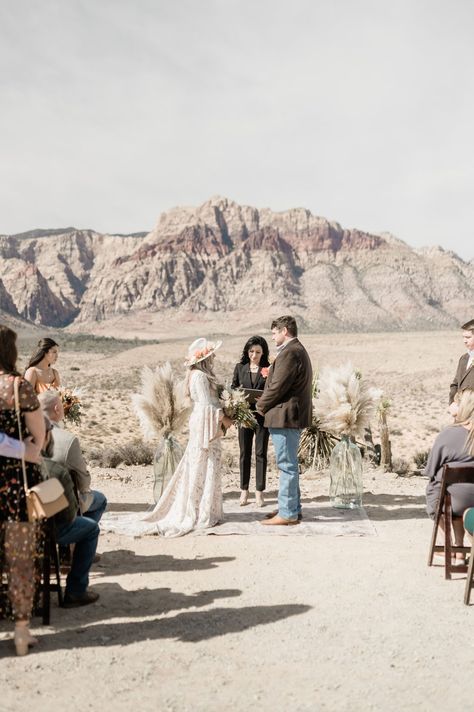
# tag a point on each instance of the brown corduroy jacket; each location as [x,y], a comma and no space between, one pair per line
[287,398]
[463,379]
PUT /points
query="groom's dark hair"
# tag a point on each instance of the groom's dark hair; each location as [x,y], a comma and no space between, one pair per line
[288,321]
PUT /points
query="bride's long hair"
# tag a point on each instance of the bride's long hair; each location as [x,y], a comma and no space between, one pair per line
[207,367]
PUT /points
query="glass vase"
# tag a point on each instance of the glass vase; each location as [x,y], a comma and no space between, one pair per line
[345,469]
[167,456]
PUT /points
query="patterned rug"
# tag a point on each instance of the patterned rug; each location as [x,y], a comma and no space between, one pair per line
[318,518]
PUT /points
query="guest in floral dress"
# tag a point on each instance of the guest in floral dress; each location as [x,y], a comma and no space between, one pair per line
[19,539]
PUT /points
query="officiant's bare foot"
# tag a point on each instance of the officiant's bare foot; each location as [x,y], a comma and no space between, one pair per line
[244,497]
[279,521]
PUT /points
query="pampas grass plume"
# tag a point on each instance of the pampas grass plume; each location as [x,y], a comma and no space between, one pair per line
[161,406]
[345,403]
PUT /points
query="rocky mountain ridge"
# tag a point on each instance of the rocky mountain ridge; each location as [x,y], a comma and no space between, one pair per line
[224,258]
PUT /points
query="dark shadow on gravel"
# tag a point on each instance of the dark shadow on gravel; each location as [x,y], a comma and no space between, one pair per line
[189,627]
[125,561]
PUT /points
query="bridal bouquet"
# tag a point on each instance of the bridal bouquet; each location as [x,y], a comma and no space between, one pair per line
[235,406]
[72,404]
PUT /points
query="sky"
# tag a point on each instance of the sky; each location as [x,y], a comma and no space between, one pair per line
[362,111]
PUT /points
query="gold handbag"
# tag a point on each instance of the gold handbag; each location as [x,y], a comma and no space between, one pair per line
[47,498]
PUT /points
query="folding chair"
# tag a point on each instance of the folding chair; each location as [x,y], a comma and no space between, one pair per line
[452,474]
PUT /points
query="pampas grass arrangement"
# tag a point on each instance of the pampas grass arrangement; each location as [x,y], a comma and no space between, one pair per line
[345,405]
[161,406]
[345,402]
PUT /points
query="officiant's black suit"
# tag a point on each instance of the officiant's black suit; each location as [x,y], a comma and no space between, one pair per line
[245,379]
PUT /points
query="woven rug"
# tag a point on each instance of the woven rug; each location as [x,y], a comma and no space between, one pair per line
[318,518]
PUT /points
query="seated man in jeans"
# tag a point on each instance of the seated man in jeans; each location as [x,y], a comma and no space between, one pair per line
[72,528]
[67,452]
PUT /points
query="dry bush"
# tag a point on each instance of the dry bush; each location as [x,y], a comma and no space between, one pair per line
[132,453]
[401,466]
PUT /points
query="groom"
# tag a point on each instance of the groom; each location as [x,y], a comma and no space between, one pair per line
[286,403]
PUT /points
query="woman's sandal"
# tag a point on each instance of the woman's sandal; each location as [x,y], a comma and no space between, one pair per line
[244,498]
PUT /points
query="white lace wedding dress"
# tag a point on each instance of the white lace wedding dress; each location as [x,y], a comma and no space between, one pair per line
[193,497]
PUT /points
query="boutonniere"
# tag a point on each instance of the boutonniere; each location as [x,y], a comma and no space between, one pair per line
[264,371]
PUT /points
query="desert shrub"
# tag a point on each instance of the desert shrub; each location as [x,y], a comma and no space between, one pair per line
[132,453]
[137,453]
[420,458]
[105,457]
[401,466]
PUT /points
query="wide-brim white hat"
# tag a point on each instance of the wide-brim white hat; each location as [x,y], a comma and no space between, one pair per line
[201,349]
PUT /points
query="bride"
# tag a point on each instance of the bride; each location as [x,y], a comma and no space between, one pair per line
[193,497]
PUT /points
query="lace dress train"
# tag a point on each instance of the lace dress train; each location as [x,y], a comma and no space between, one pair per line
[193,497]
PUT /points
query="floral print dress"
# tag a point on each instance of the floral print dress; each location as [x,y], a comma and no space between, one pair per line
[19,540]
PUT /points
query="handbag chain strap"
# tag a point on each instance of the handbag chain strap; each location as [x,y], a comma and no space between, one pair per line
[16,387]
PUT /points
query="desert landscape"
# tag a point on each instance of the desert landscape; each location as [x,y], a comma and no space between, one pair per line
[217,622]
[181,170]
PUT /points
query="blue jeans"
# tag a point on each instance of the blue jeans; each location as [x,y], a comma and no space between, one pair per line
[84,533]
[97,507]
[286,441]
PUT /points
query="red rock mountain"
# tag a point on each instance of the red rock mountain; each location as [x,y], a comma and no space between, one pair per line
[225,258]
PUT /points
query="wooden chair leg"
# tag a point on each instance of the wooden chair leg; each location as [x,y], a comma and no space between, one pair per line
[447,536]
[46,598]
[470,576]
[57,574]
[433,537]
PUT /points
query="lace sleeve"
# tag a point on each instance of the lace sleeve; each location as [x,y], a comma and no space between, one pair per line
[28,398]
[207,414]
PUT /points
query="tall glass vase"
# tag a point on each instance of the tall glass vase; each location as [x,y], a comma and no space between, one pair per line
[345,469]
[167,456]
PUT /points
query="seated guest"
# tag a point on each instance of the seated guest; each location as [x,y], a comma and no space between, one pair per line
[454,445]
[67,452]
[75,529]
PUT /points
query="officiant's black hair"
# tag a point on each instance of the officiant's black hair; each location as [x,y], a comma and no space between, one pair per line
[256,341]
[468,326]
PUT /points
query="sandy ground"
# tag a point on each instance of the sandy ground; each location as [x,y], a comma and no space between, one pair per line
[302,623]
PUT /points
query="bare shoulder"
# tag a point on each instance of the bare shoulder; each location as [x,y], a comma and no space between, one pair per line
[31,374]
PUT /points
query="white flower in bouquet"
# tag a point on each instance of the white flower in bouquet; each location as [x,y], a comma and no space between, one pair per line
[235,406]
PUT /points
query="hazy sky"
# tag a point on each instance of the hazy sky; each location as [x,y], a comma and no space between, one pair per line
[112,111]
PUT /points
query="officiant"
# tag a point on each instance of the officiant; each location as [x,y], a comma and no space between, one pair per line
[464,376]
[250,373]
